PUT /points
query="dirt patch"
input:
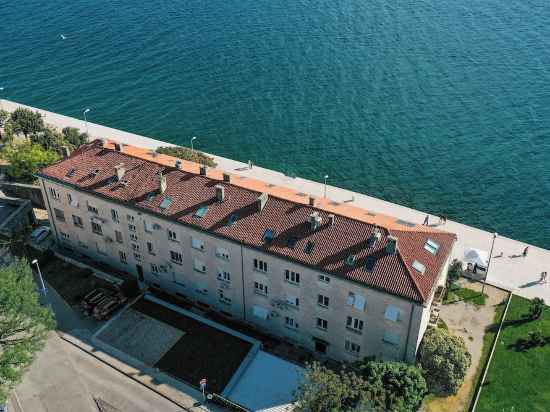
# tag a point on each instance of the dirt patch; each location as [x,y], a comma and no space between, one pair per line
[470,323]
[203,351]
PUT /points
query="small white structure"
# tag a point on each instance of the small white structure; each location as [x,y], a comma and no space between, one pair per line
[476,259]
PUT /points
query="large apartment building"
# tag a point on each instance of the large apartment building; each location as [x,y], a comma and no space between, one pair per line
[341,281]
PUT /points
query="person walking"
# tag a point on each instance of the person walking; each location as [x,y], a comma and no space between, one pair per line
[426,220]
[543,276]
[525,251]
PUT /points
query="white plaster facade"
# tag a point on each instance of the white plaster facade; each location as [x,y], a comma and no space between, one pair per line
[223,275]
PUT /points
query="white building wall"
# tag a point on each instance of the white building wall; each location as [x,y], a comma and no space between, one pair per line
[204,287]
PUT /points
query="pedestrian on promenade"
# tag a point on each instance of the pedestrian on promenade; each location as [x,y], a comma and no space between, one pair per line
[525,251]
[426,220]
[543,276]
[442,220]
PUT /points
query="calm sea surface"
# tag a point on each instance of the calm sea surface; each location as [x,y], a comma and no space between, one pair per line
[439,105]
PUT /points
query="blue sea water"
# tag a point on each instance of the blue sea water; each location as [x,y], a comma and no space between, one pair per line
[438,105]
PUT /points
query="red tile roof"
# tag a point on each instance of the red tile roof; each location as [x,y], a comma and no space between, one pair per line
[284,212]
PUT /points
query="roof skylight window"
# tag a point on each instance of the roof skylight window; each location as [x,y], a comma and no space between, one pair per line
[232,219]
[370,263]
[419,266]
[431,246]
[309,247]
[268,236]
[350,260]
[201,211]
[166,203]
[292,242]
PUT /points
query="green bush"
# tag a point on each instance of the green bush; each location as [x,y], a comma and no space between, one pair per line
[25,159]
[187,154]
[445,361]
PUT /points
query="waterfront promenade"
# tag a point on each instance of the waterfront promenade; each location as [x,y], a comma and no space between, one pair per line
[509,269]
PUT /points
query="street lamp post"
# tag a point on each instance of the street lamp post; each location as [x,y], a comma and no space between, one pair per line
[325,193]
[489,262]
[35,262]
[86,120]
[193,139]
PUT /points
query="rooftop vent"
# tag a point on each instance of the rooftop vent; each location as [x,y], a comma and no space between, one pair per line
[166,203]
[312,201]
[71,173]
[220,193]
[419,266]
[163,184]
[226,177]
[123,183]
[120,170]
[291,242]
[391,246]
[119,147]
[262,200]
[94,172]
[315,220]
[331,219]
[374,237]
[268,236]
[178,164]
[202,170]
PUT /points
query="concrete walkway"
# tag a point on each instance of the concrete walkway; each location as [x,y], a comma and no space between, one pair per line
[519,274]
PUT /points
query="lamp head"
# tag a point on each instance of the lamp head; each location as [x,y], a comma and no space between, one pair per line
[35,261]
[86,111]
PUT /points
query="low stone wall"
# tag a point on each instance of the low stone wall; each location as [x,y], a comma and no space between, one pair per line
[25,191]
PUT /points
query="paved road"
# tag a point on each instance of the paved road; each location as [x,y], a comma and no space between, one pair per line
[515,273]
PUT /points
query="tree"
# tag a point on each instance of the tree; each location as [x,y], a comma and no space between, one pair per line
[73,136]
[25,159]
[323,390]
[536,308]
[26,121]
[454,272]
[4,116]
[24,323]
[50,139]
[393,386]
[187,154]
[445,361]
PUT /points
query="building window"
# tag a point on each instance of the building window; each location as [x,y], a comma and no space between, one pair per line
[133,237]
[176,257]
[392,313]
[114,215]
[322,324]
[293,301]
[135,247]
[199,266]
[291,323]
[92,209]
[137,257]
[222,253]
[150,248]
[225,276]
[352,347]
[260,265]
[54,193]
[72,200]
[292,277]
[154,269]
[118,236]
[172,236]
[96,228]
[130,218]
[223,299]
[357,301]
[147,227]
[354,324]
[260,288]
[122,257]
[391,338]
[322,301]
[59,215]
[197,244]
[64,235]
[132,228]
[77,221]
[324,278]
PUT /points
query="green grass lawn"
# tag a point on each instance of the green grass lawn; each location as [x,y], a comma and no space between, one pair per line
[518,381]
[457,293]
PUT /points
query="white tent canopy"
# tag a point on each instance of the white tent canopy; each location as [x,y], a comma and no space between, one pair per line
[476,256]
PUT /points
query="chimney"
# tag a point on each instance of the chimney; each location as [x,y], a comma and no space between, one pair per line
[220,193]
[118,147]
[262,200]
[162,179]
[315,221]
[312,201]
[227,177]
[374,236]
[103,142]
[202,170]
[120,170]
[178,164]
[331,219]
[65,152]
[391,246]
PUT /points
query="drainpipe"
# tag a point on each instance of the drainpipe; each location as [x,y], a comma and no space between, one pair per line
[242,279]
